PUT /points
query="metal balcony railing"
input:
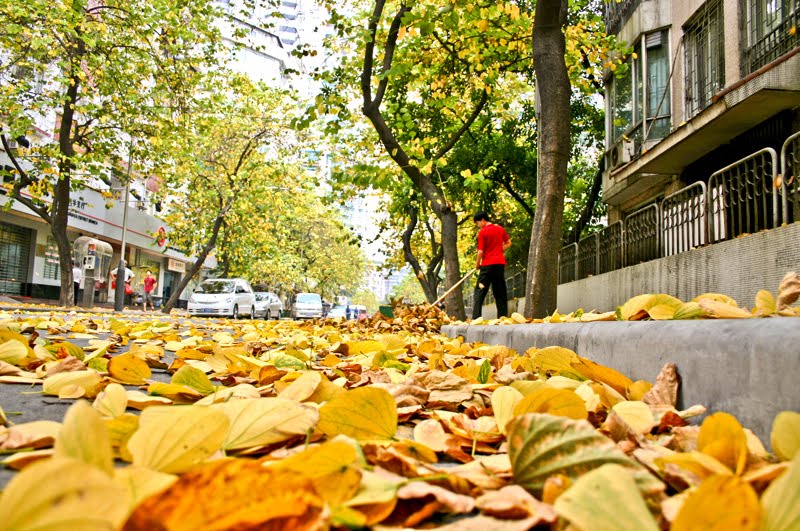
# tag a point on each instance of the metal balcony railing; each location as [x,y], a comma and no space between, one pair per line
[742,198]
[617,13]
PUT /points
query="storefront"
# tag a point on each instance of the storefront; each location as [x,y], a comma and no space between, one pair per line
[29,265]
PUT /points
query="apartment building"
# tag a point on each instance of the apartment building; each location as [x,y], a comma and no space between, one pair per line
[702,148]
[710,79]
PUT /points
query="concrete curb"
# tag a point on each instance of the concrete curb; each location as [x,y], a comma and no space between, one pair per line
[749,368]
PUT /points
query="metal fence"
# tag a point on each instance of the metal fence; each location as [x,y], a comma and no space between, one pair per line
[742,197]
[642,235]
[745,197]
[683,219]
[610,252]
[790,179]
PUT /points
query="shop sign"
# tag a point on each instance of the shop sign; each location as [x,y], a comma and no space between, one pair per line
[176,265]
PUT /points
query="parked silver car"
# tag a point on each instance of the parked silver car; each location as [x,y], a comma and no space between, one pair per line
[268,305]
[223,296]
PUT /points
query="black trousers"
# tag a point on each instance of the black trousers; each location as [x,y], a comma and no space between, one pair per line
[494,276]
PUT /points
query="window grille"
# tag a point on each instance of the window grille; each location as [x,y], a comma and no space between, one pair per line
[769,31]
[52,267]
[705,56]
[15,247]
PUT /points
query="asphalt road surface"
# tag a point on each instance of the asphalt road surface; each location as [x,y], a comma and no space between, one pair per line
[26,403]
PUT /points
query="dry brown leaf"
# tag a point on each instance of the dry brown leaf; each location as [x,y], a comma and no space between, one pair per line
[665,391]
[68,364]
[431,433]
[445,387]
[488,523]
[515,503]
[788,291]
[406,394]
[33,435]
[232,494]
[418,501]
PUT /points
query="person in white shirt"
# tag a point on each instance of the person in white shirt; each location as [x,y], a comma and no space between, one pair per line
[77,278]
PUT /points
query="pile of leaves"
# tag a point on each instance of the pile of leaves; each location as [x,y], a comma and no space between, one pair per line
[215,424]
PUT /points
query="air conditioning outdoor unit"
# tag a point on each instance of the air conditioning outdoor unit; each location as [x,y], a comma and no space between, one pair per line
[622,153]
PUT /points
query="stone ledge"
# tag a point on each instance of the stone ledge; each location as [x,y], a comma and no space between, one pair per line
[749,368]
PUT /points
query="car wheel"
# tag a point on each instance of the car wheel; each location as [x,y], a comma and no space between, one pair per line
[235,311]
[252,312]
[268,315]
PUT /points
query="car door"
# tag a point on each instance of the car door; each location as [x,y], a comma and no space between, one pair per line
[275,304]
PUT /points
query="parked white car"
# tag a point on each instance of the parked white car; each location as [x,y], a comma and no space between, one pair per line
[307,306]
[268,305]
[223,296]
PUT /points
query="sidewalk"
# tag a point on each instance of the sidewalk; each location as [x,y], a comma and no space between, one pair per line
[28,304]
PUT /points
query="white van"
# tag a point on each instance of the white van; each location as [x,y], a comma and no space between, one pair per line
[307,306]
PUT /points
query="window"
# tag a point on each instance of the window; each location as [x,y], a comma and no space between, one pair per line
[705,56]
[640,102]
[52,269]
[768,31]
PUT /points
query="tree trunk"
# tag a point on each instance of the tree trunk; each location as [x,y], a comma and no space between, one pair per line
[59,211]
[553,88]
[198,263]
[452,271]
[58,228]
[429,280]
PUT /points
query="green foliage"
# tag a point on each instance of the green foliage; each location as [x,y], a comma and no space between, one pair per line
[246,197]
[444,62]
[408,290]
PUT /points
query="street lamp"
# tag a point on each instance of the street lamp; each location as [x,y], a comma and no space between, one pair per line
[119,293]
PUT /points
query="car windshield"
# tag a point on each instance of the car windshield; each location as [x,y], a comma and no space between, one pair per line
[217,286]
[262,296]
[308,298]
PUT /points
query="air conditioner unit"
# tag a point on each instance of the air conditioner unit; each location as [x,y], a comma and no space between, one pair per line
[622,153]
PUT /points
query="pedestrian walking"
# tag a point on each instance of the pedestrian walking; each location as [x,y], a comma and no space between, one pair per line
[129,276]
[493,241]
[77,277]
[149,287]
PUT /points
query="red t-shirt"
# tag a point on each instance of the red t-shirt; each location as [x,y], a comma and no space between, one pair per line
[149,283]
[490,240]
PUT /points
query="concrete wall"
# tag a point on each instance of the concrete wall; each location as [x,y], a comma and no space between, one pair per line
[748,368]
[738,268]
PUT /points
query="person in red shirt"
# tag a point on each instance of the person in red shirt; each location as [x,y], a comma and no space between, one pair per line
[493,240]
[149,287]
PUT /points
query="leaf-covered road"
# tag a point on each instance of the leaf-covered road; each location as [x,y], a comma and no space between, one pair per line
[344,424]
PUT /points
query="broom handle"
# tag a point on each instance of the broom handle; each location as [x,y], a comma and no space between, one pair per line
[457,284]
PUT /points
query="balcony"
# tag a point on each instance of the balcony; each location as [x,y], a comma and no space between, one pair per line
[617,13]
[733,111]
